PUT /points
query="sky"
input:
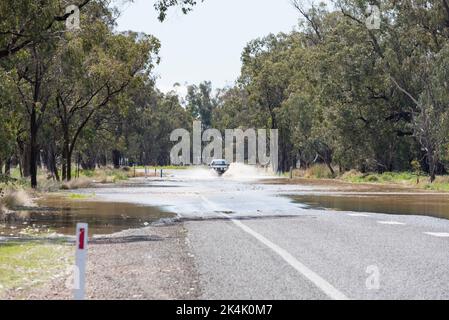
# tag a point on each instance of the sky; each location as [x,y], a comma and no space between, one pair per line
[207,43]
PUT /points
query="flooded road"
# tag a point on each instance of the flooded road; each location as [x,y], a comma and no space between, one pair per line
[435,205]
[59,214]
[241,192]
[256,239]
[248,192]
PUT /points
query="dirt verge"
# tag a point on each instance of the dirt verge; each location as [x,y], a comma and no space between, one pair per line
[149,263]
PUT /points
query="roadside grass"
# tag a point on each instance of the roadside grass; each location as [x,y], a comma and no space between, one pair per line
[103,175]
[440,184]
[25,265]
[47,184]
[107,175]
[317,171]
[320,171]
[408,179]
[76,183]
[85,180]
[162,167]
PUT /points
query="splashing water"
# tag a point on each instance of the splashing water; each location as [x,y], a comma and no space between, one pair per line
[240,171]
[236,171]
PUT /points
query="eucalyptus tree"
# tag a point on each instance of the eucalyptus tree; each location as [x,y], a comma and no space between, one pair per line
[95,66]
[410,47]
[34,78]
[11,120]
[26,23]
[162,6]
[200,102]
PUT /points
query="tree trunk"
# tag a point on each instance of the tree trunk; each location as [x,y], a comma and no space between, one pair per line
[69,166]
[33,149]
[55,171]
[432,171]
[25,160]
[67,155]
[330,168]
[432,161]
[8,166]
[432,176]
[51,162]
[20,167]
[64,170]
[116,158]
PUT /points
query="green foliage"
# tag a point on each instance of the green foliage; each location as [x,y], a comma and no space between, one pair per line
[162,6]
[200,103]
[342,95]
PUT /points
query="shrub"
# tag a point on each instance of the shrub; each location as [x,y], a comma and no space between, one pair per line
[318,171]
[372,178]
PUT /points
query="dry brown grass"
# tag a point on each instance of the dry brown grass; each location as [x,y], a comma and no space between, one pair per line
[318,171]
[350,174]
[442,179]
[15,198]
[76,184]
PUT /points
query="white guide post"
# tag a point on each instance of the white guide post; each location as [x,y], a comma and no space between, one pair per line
[80,261]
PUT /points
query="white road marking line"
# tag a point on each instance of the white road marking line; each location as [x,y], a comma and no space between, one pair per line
[438,234]
[325,286]
[358,215]
[318,281]
[391,222]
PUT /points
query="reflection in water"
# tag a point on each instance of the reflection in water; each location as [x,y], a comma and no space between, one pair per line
[428,205]
[60,215]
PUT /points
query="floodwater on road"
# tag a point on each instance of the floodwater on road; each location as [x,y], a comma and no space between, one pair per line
[59,214]
[247,192]
[198,193]
[436,205]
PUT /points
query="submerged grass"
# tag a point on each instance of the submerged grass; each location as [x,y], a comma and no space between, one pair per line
[76,196]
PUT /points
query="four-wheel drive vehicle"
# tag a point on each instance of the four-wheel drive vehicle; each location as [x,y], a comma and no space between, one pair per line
[219,165]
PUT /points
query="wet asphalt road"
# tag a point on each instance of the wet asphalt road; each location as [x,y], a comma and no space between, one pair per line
[250,241]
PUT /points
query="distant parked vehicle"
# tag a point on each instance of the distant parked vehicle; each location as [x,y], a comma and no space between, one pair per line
[219,165]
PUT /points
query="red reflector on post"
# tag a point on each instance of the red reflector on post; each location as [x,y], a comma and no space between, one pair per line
[81,239]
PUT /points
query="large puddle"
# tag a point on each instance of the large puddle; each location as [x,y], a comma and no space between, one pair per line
[60,215]
[415,204]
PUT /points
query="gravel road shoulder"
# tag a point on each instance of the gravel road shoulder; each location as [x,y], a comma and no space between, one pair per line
[149,263]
